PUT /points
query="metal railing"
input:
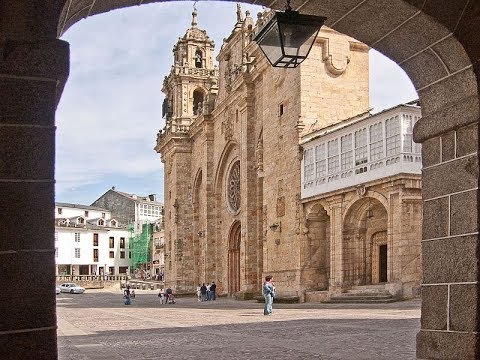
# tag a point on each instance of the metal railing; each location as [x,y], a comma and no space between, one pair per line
[65,278]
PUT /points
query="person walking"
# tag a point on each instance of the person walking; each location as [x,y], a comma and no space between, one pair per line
[199,294]
[203,292]
[126,295]
[213,289]
[161,295]
[268,291]
[208,292]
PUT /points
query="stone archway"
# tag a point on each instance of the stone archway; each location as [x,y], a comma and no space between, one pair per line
[365,220]
[234,240]
[436,42]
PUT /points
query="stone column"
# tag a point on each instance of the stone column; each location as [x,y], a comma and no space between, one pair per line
[336,243]
[450,293]
[30,75]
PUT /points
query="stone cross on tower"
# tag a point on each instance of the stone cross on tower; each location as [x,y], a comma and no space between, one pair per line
[194,17]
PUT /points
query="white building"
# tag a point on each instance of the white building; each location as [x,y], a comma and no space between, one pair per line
[88,241]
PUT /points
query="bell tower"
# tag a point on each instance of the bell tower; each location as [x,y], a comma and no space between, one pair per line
[192,75]
[189,89]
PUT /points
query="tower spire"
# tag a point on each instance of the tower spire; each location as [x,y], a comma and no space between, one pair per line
[194,17]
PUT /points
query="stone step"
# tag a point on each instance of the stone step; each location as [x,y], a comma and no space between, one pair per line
[364,293]
[369,300]
[363,296]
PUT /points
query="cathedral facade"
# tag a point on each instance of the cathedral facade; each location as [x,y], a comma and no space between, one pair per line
[233,149]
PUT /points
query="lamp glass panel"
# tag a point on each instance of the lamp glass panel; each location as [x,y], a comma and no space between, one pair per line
[271,45]
[297,39]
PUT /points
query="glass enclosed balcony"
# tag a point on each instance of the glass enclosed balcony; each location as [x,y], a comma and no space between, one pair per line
[358,151]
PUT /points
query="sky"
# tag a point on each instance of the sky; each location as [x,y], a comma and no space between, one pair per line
[110,111]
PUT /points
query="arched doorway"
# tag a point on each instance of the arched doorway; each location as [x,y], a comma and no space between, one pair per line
[365,251]
[234,258]
[379,257]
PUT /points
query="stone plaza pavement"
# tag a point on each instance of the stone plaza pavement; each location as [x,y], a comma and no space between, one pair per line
[96,325]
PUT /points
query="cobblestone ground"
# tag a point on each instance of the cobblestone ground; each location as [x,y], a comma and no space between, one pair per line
[96,325]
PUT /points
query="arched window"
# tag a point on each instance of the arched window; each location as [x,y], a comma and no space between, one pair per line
[197,101]
[198,59]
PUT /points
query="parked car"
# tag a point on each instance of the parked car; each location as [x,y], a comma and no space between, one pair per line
[71,288]
[57,290]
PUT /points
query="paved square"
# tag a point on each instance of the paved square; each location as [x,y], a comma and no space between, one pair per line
[96,325]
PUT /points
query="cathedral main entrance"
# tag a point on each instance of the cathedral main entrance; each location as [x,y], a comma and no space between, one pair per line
[234,258]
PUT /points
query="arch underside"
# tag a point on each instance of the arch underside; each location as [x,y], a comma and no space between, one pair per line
[436,43]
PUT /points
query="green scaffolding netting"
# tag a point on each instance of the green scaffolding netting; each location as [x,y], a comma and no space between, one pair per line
[140,246]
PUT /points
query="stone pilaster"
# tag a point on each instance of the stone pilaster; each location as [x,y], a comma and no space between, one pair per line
[30,75]
[450,301]
[336,243]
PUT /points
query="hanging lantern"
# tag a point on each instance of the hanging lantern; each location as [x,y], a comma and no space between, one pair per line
[288,37]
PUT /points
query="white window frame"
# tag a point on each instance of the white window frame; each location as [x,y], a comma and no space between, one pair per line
[308,165]
[361,146]
[77,253]
[333,154]
[393,144]
[320,161]
[77,237]
[376,133]
[346,152]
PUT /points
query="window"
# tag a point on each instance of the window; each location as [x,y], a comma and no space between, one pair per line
[346,152]
[95,239]
[197,101]
[59,210]
[103,215]
[122,254]
[376,141]
[320,161]
[308,164]
[77,237]
[111,242]
[56,235]
[111,270]
[113,223]
[198,59]
[56,252]
[122,243]
[111,254]
[280,110]
[407,125]
[86,213]
[95,255]
[129,254]
[392,136]
[417,146]
[77,253]
[101,222]
[361,156]
[333,158]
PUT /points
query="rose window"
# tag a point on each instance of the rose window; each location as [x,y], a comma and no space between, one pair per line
[233,187]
